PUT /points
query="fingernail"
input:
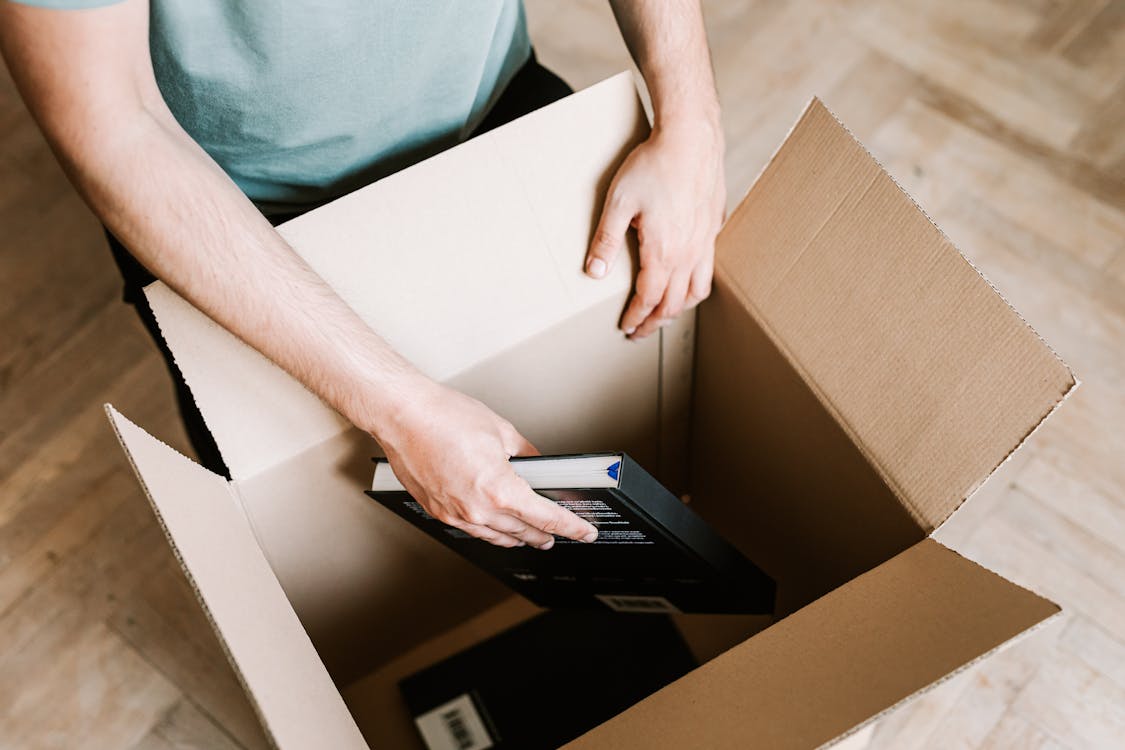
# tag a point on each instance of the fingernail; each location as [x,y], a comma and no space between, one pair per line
[592,536]
[630,331]
[547,544]
[596,268]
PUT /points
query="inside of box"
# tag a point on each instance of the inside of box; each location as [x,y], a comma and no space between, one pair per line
[767,457]
[382,716]
[774,471]
[345,562]
[896,629]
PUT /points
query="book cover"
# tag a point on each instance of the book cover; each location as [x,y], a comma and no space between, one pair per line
[653,554]
[545,681]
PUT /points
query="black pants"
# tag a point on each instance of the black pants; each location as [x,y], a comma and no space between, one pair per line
[532,87]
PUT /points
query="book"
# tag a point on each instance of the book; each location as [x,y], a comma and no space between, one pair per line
[653,553]
[545,681]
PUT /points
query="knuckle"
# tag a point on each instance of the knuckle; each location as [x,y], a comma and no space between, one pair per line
[670,308]
[671,311]
[656,251]
[475,516]
[446,518]
[604,239]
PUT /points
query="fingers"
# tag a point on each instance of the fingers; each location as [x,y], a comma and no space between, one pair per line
[518,516]
[514,527]
[540,513]
[700,287]
[671,305]
[609,237]
[490,535]
[652,281]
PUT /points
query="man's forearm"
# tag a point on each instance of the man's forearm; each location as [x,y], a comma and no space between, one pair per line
[186,221]
[669,44]
[87,77]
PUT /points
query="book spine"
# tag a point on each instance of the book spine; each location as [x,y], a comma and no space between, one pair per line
[671,513]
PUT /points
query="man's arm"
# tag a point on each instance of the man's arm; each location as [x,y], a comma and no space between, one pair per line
[87,78]
[671,187]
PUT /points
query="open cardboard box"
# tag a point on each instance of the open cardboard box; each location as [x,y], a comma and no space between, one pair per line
[851,381]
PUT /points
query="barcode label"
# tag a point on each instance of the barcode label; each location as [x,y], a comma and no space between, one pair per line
[628,603]
[455,725]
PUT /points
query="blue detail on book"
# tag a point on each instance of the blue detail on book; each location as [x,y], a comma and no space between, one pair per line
[612,470]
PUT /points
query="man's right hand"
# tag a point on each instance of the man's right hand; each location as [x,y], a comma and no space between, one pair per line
[87,77]
[451,453]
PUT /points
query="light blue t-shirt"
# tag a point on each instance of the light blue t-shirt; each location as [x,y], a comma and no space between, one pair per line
[302,101]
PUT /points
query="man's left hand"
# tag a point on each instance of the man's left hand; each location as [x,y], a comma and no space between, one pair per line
[671,190]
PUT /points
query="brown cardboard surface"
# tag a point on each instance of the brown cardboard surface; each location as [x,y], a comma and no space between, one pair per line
[375,700]
[774,471]
[839,661]
[854,377]
[677,359]
[296,700]
[576,388]
[512,211]
[343,559]
[345,562]
[926,367]
[381,714]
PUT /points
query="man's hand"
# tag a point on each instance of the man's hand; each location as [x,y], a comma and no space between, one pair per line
[87,77]
[671,189]
[451,453]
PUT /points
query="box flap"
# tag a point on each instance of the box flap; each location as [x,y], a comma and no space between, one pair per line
[773,468]
[296,700]
[927,368]
[490,235]
[839,662]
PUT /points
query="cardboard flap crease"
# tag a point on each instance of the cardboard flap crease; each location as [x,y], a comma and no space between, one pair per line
[288,685]
[934,376]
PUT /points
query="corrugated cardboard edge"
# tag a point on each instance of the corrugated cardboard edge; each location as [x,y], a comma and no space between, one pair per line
[1019,637]
[1074,380]
[823,398]
[110,412]
[157,316]
[1047,612]
[1075,383]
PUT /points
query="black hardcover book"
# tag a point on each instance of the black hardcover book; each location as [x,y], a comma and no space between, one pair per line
[545,681]
[653,554]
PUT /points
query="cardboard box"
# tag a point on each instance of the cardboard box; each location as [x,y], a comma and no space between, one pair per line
[851,381]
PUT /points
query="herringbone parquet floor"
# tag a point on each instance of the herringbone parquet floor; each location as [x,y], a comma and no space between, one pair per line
[1004,118]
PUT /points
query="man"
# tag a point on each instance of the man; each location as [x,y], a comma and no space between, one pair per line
[184,124]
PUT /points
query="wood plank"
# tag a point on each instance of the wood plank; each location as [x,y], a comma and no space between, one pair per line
[185,727]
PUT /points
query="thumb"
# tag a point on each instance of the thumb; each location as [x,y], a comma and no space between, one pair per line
[609,237]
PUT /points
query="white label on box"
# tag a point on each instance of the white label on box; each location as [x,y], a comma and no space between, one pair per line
[627,603]
[455,725]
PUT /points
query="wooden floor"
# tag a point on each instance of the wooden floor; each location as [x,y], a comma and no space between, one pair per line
[1006,120]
